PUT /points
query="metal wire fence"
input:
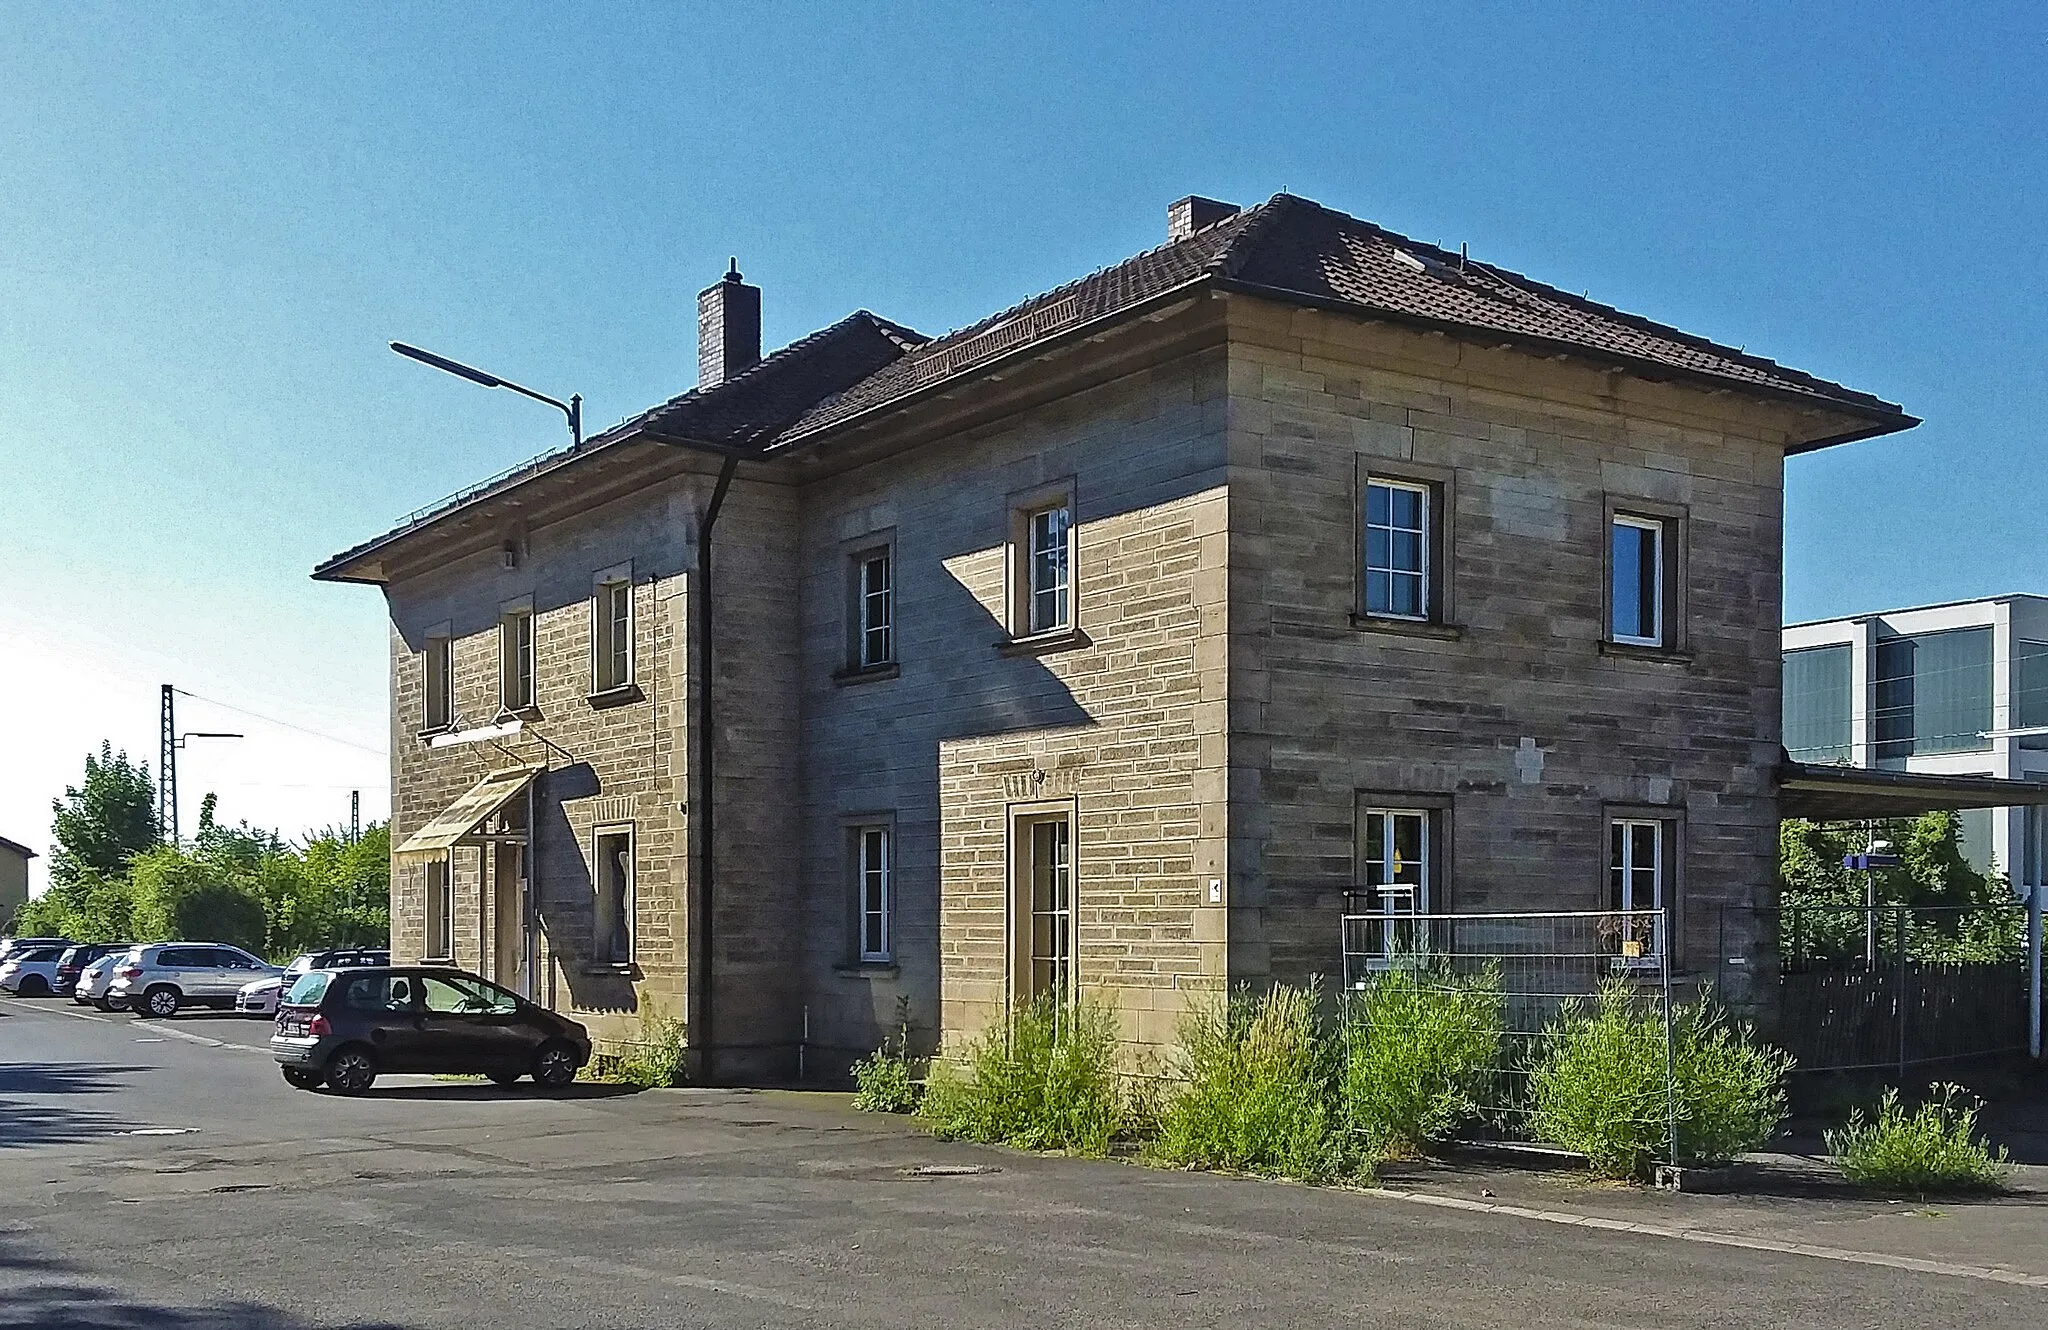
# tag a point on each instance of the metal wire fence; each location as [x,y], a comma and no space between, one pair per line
[1544,964]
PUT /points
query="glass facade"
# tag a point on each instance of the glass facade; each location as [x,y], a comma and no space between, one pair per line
[2029,684]
[1932,693]
[1819,704]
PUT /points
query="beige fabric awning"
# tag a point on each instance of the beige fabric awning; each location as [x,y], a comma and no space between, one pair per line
[463,816]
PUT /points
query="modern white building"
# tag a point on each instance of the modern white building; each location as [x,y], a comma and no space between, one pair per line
[1959,689]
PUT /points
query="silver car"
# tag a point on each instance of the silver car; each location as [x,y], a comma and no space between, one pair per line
[93,980]
[158,979]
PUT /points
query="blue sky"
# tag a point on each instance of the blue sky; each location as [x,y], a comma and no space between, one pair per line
[215,216]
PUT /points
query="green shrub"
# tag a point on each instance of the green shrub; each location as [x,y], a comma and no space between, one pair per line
[654,1059]
[1598,1084]
[1044,1080]
[1420,1051]
[882,1080]
[1932,1148]
[1259,1092]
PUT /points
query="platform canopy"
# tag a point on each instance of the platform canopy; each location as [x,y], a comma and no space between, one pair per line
[1821,793]
[459,821]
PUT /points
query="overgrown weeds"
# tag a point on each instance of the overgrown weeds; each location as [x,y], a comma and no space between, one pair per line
[884,1081]
[1598,1084]
[1260,1090]
[1421,1049]
[653,1059]
[1045,1079]
[1932,1148]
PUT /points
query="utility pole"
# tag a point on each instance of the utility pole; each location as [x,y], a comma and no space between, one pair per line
[355,816]
[167,777]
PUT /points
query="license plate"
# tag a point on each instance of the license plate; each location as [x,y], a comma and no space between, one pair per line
[294,1027]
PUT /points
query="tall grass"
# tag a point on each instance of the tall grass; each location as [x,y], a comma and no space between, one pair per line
[1260,1090]
[653,1059]
[1931,1148]
[882,1080]
[1043,1080]
[1421,1049]
[1598,1084]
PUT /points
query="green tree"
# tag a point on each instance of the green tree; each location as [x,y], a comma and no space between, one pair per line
[105,822]
[180,896]
[89,908]
[1932,872]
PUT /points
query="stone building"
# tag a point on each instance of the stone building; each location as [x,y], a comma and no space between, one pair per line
[1117,644]
[14,859]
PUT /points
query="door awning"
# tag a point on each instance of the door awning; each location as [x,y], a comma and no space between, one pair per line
[455,824]
[1821,793]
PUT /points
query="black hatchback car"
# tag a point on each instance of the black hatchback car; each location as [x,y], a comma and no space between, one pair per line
[342,1028]
[74,960]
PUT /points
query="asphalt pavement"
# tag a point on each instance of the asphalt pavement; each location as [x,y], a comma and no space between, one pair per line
[160,1174]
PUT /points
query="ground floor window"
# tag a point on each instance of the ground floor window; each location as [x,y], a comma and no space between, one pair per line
[1637,887]
[873,870]
[1048,915]
[440,932]
[1396,882]
[612,879]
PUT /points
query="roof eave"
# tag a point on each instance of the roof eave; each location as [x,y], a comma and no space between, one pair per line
[1884,417]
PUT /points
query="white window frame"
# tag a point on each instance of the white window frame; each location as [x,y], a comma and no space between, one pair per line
[1422,573]
[437,681]
[1379,903]
[439,930]
[875,892]
[1061,544]
[1661,529]
[629,905]
[1623,883]
[516,657]
[607,634]
[871,601]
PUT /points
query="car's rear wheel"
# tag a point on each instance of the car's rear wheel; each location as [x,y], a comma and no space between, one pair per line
[34,985]
[505,1077]
[303,1078]
[162,1000]
[554,1066]
[351,1070]
[102,1004]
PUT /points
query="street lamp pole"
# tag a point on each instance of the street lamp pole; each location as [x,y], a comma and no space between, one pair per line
[573,408]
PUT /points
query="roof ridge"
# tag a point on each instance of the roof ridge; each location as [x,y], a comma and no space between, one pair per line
[1257,221]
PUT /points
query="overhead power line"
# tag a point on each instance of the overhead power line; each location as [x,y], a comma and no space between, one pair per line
[272,720]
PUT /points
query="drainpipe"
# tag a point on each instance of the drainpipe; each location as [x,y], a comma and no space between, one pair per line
[707,790]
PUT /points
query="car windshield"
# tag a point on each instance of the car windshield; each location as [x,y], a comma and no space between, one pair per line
[311,987]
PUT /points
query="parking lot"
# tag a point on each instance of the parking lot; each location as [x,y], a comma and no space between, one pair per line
[161,1174]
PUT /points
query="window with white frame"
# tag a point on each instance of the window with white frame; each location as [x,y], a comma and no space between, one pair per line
[1635,601]
[611,638]
[1637,889]
[1049,887]
[440,930]
[515,652]
[873,873]
[438,683]
[1397,554]
[1048,568]
[612,881]
[875,606]
[1397,875]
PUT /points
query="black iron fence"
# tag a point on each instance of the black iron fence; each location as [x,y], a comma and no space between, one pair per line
[1890,987]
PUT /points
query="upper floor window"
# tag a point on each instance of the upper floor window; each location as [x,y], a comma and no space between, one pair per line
[611,639]
[1635,605]
[438,683]
[1397,553]
[1049,568]
[875,601]
[515,658]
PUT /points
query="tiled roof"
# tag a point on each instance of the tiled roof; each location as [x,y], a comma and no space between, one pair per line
[1286,249]
[1289,248]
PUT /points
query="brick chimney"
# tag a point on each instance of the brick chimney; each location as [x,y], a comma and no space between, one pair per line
[728,328]
[1193,213]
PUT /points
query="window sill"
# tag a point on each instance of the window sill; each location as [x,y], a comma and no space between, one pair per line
[1649,655]
[866,674]
[516,713]
[624,695]
[626,968]
[437,960]
[1044,644]
[1381,623]
[426,732]
[868,970]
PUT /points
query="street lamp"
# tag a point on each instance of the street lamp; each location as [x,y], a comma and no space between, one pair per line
[573,408]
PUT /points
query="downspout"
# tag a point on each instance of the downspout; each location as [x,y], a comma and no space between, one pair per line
[707,790]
